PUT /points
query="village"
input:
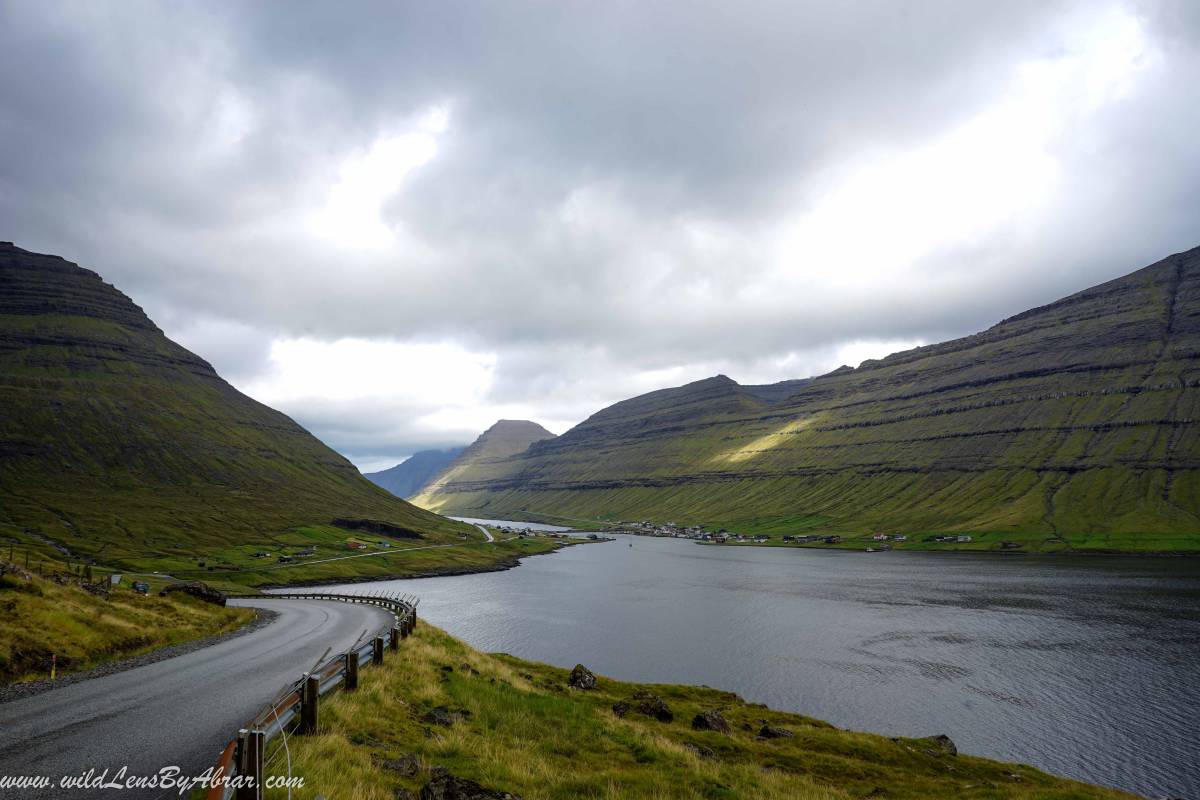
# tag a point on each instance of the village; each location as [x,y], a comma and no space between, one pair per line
[877,542]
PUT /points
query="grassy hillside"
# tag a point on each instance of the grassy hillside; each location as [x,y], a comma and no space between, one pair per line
[1068,427]
[39,617]
[411,475]
[506,438]
[117,444]
[525,732]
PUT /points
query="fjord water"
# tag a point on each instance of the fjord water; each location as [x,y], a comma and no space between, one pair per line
[1085,667]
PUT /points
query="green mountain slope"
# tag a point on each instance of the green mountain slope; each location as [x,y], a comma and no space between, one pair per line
[480,461]
[1068,427]
[120,445]
[409,476]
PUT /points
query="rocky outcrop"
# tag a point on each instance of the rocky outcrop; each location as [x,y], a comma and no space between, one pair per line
[647,704]
[445,715]
[773,732]
[195,589]
[377,527]
[941,744]
[581,678]
[710,720]
[444,786]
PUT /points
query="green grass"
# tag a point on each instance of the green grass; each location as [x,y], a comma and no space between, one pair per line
[529,734]
[39,617]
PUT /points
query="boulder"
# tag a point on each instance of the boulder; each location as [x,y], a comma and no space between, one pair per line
[195,589]
[621,708]
[444,715]
[942,744]
[407,765]
[700,750]
[711,720]
[771,732]
[444,786]
[652,706]
[581,678]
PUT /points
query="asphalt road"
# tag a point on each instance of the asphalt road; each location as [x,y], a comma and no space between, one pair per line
[179,712]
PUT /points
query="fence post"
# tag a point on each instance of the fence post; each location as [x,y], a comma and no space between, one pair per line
[309,713]
[250,764]
[414,619]
[377,651]
[395,640]
[351,670]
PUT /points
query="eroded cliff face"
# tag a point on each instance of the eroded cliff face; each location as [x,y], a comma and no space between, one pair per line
[115,439]
[1073,422]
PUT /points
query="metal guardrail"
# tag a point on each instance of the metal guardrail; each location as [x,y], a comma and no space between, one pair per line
[240,769]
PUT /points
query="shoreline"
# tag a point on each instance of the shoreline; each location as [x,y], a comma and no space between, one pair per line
[502,565]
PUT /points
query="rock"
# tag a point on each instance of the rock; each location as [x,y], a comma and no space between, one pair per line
[581,678]
[942,744]
[404,794]
[444,786]
[621,708]
[711,720]
[195,589]
[444,715]
[652,706]
[704,752]
[770,732]
[406,765]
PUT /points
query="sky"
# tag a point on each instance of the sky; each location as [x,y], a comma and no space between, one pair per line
[399,222]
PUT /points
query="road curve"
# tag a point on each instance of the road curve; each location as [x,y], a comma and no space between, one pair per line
[486,532]
[179,712]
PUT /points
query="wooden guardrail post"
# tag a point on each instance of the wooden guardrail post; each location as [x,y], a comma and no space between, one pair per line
[351,670]
[377,650]
[395,640]
[250,747]
[414,619]
[309,700]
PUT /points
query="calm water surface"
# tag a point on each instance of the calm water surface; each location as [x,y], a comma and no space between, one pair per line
[1088,668]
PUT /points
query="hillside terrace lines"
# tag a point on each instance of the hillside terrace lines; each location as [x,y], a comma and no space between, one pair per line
[862,469]
[579,437]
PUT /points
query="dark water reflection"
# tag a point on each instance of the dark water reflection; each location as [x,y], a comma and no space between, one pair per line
[1088,668]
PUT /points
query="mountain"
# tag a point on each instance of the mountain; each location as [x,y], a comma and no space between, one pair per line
[1072,426]
[505,439]
[117,443]
[409,476]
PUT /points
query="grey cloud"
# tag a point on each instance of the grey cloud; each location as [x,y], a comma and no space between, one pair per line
[169,145]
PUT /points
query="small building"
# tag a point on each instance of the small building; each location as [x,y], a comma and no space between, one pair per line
[832,540]
[963,539]
[900,537]
[880,537]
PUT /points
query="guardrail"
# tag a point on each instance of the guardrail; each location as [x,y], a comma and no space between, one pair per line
[239,771]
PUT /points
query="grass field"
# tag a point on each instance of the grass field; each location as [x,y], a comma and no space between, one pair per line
[527,733]
[39,617]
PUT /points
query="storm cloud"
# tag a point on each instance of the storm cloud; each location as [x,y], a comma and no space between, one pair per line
[398,222]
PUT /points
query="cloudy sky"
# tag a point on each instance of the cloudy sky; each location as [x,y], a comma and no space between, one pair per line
[399,222]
